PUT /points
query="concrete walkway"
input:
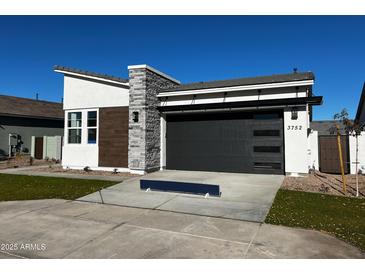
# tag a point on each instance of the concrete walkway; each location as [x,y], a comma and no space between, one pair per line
[245,197]
[65,229]
[31,171]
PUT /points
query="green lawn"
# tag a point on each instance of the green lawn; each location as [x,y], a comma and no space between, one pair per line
[22,187]
[341,216]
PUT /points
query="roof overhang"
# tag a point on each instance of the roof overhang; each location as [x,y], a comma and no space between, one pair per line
[300,101]
[86,76]
[236,88]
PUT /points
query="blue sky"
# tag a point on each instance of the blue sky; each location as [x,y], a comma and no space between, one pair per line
[188,48]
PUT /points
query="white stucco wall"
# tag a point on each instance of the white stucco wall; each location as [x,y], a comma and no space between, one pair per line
[84,154]
[296,142]
[313,149]
[163,142]
[361,153]
[80,156]
[87,95]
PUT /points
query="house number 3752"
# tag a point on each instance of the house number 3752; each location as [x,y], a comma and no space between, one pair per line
[294,128]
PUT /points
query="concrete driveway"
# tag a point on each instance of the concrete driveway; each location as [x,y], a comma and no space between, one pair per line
[245,197]
[65,229]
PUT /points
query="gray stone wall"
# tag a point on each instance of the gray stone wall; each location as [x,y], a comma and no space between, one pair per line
[144,135]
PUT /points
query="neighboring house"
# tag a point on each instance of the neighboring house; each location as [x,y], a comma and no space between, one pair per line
[360,114]
[328,147]
[328,127]
[23,118]
[151,121]
[360,119]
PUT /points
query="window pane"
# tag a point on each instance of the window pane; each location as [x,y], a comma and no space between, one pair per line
[91,136]
[267,165]
[266,132]
[74,119]
[91,118]
[74,136]
[274,149]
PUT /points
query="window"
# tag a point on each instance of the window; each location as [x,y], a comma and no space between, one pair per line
[267,165]
[274,149]
[74,127]
[74,119]
[266,132]
[92,117]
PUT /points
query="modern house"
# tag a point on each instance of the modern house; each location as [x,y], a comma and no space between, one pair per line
[22,118]
[151,121]
[360,114]
[357,145]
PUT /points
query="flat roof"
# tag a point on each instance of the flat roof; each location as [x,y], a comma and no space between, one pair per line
[276,78]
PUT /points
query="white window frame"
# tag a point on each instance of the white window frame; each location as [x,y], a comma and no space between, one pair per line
[68,128]
[92,127]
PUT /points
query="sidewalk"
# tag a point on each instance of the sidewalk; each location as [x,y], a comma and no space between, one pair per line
[69,229]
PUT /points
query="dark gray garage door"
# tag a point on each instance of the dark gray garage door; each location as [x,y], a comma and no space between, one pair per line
[226,142]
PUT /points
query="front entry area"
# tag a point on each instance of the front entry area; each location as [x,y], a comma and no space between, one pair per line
[243,142]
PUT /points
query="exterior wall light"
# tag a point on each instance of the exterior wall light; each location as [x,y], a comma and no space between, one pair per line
[294,114]
[135,116]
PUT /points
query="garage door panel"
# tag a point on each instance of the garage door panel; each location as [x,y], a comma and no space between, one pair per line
[234,142]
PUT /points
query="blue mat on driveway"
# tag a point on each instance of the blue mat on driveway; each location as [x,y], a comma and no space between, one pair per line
[173,186]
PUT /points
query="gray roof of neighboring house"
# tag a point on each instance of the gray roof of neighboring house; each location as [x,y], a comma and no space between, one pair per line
[276,78]
[327,127]
[25,107]
[93,74]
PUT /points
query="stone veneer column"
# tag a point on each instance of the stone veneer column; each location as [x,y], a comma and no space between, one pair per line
[144,136]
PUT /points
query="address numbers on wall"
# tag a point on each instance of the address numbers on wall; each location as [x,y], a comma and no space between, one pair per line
[294,128]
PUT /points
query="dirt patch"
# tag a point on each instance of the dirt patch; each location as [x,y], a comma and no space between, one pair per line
[325,183]
[59,169]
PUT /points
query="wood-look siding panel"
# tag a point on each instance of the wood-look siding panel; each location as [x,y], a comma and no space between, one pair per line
[113,137]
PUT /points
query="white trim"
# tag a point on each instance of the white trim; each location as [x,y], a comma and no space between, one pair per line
[236,88]
[278,107]
[155,71]
[91,77]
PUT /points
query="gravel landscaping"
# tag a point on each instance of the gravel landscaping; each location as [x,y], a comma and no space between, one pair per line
[325,183]
[59,169]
